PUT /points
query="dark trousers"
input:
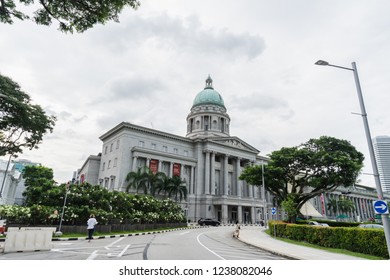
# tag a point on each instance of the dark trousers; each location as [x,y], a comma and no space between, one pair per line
[90,232]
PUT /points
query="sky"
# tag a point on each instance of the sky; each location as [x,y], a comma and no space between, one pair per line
[148,68]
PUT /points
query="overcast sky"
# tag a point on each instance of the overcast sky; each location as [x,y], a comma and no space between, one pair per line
[148,68]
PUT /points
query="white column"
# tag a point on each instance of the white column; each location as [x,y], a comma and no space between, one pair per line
[207,173]
[134,168]
[238,172]
[212,174]
[226,175]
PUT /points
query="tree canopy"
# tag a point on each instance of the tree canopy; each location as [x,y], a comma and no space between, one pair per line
[22,124]
[70,15]
[317,166]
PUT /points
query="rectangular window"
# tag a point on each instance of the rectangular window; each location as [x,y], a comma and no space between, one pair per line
[104,166]
[165,149]
[117,144]
[175,150]
[153,146]
[115,162]
[186,153]
[141,144]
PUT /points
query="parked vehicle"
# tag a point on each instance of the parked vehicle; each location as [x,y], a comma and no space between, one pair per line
[370,226]
[208,222]
[314,223]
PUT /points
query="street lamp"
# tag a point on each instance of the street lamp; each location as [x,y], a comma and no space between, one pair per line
[385,217]
[265,206]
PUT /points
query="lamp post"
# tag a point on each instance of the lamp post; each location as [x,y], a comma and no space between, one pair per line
[385,217]
[63,209]
[265,207]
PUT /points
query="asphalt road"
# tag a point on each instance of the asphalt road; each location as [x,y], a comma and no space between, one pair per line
[212,243]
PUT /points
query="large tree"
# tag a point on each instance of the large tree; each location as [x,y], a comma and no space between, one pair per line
[22,124]
[317,166]
[70,15]
[39,180]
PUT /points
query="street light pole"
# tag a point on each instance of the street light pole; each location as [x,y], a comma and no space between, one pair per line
[385,217]
[265,207]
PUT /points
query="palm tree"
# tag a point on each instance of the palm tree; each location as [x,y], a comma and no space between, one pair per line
[178,188]
[346,205]
[163,184]
[332,205]
[137,180]
[153,180]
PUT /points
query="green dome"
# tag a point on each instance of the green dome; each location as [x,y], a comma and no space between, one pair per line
[208,96]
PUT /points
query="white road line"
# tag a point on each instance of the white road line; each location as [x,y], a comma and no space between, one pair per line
[123,251]
[93,255]
[208,248]
[113,243]
[185,232]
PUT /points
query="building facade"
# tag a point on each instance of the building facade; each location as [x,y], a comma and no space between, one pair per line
[382,154]
[208,159]
[210,162]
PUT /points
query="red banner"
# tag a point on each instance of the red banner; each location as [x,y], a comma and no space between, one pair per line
[153,165]
[176,169]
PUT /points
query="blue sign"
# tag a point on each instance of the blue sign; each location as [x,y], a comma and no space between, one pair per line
[273,210]
[380,207]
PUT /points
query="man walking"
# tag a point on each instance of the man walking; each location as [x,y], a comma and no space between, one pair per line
[91,226]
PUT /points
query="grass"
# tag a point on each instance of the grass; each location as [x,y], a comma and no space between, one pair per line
[96,234]
[332,250]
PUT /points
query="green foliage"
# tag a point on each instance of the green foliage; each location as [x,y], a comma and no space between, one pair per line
[82,200]
[308,170]
[366,241]
[70,15]
[156,183]
[290,206]
[40,187]
[22,124]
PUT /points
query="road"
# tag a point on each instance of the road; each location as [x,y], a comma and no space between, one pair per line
[210,243]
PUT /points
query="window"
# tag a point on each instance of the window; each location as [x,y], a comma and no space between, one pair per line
[117,144]
[109,164]
[112,144]
[104,166]
[105,150]
[186,153]
[153,146]
[141,144]
[165,149]
[175,150]
[115,162]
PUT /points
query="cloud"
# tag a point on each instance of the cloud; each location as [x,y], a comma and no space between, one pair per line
[169,33]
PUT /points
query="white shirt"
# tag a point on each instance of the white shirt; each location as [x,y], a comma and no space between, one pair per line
[91,223]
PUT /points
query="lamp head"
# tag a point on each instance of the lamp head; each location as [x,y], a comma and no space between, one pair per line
[322,63]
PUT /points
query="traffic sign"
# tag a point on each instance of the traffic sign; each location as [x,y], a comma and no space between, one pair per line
[380,207]
[273,210]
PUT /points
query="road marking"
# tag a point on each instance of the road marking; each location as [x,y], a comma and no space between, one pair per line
[185,232]
[113,243]
[211,251]
[93,255]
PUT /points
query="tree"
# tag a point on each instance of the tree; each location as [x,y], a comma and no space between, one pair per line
[177,188]
[70,15]
[317,166]
[38,181]
[22,124]
[137,180]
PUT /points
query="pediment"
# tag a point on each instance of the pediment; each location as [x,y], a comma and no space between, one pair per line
[234,142]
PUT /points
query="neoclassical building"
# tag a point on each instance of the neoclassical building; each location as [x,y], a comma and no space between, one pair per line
[208,158]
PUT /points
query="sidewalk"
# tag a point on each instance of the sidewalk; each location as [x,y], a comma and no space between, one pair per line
[256,236]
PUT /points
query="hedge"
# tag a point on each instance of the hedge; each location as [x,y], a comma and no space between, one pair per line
[366,241]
